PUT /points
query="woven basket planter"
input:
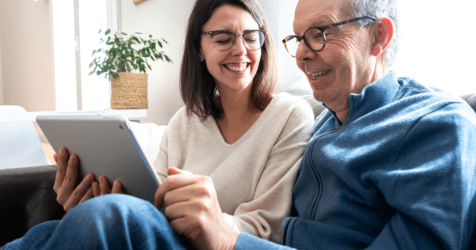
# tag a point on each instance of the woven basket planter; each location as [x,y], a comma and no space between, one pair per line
[129,91]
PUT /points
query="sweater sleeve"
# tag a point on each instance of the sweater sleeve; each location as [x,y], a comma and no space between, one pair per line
[273,194]
[431,183]
[161,162]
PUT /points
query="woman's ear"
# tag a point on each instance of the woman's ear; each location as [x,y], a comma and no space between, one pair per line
[382,36]
[200,55]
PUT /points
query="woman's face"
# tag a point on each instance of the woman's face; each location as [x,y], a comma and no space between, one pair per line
[233,70]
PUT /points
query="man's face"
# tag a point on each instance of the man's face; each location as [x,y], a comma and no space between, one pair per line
[344,63]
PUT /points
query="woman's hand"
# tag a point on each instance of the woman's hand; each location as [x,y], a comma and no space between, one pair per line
[102,187]
[192,207]
[66,176]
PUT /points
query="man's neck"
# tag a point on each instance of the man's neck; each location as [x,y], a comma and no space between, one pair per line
[379,72]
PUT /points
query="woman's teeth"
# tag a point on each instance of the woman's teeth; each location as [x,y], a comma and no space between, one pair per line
[318,75]
[238,67]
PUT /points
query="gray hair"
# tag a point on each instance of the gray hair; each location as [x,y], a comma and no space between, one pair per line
[379,9]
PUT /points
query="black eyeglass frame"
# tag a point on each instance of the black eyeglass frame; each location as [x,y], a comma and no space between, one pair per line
[322,29]
[214,32]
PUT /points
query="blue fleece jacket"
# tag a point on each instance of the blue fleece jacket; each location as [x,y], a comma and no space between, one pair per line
[398,174]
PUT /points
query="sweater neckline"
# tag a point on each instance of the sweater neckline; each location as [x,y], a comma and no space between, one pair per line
[257,122]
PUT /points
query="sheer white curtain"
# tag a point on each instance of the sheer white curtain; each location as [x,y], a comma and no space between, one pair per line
[437,46]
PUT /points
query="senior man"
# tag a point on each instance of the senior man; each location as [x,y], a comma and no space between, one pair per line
[391,163]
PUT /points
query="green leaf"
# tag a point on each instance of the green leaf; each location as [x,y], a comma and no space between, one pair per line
[150,36]
[94,52]
[100,31]
[159,43]
[164,41]
[124,33]
[107,32]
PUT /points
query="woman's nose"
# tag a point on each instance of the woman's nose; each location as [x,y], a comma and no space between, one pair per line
[239,48]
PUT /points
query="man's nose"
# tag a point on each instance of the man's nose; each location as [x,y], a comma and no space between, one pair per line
[303,53]
[239,48]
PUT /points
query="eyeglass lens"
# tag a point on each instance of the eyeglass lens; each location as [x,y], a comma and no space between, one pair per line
[314,39]
[224,41]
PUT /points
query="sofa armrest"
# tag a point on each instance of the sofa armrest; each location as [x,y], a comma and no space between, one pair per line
[27,198]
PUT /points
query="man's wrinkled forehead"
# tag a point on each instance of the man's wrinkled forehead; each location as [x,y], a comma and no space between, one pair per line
[312,13]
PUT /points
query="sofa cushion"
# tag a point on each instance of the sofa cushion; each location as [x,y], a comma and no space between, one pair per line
[471,100]
[27,198]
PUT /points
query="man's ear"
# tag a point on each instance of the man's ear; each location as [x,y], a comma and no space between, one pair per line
[382,36]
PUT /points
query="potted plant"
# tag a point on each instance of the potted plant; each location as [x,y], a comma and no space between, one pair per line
[124,54]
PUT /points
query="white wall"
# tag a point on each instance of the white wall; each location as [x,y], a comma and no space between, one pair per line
[168,20]
[27,55]
[1,75]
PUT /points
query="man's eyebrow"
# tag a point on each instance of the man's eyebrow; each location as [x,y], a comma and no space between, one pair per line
[320,22]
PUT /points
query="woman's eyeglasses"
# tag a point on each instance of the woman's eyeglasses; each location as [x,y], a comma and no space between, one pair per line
[224,40]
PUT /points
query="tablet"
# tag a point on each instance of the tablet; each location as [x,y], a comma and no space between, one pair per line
[105,146]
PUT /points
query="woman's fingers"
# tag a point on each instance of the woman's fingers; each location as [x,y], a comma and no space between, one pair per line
[80,191]
[61,170]
[117,188]
[184,194]
[88,195]
[173,182]
[103,185]
[95,187]
[70,176]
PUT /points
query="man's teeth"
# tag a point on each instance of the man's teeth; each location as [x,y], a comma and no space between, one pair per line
[318,75]
[240,68]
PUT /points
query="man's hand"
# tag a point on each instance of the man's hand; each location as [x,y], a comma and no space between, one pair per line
[192,207]
[66,175]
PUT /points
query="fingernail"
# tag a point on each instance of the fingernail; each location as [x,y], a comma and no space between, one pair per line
[61,151]
[115,184]
[90,177]
[100,180]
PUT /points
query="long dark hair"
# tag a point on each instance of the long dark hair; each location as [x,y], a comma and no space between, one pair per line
[197,86]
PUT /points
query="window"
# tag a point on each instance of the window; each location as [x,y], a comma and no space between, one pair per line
[437,46]
[75,30]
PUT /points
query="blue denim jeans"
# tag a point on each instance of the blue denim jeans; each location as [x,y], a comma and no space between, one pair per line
[116,221]
[107,222]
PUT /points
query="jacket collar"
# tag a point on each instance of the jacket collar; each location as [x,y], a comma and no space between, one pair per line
[374,96]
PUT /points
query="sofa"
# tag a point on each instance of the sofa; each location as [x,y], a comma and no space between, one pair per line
[27,197]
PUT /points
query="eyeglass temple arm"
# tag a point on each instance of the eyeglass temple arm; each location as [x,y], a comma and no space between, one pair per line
[351,20]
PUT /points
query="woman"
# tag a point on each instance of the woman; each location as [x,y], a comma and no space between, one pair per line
[235,147]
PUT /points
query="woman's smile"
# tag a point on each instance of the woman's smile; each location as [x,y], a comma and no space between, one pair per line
[237,68]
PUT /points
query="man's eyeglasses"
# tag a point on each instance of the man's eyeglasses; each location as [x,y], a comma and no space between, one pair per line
[224,40]
[315,37]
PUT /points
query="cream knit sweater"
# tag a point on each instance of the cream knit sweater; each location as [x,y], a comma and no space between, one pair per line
[254,176]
